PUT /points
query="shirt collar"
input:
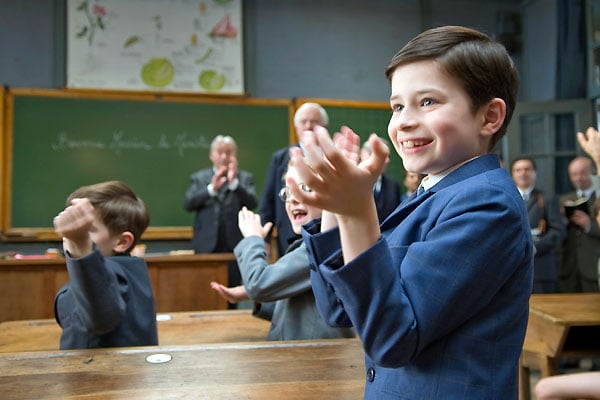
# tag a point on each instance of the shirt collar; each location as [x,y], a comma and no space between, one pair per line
[431,180]
[587,193]
[525,191]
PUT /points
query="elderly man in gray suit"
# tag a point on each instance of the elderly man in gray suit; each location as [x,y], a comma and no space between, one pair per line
[216,195]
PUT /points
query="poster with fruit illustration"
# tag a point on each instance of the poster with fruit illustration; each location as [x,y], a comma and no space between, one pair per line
[155,45]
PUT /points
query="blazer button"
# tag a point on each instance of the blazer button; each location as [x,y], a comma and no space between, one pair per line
[371,374]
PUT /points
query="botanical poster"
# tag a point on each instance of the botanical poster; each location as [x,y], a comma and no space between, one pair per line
[155,45]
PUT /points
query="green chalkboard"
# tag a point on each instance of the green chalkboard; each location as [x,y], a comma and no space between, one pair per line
[364,118]
[61,141]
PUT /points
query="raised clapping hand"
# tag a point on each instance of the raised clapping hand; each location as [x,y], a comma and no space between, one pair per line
[225,173]
[590,143]
[73,225]
[340,185]
[250,224]
[329,166]
[219,178]
[232,169]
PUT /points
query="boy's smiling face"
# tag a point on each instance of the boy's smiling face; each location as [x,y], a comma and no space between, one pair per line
[433,126]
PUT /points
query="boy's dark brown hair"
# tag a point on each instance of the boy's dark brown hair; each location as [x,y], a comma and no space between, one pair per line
[117,206]
[481,66]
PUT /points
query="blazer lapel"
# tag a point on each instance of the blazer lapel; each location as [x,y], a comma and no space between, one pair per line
[405,208]
[472,168]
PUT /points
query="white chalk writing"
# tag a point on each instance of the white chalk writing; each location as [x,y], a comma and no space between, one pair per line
[184,142]
[120,142]
[65,143]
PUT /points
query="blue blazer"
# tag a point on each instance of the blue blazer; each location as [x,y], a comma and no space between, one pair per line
[387,198]
[440,302]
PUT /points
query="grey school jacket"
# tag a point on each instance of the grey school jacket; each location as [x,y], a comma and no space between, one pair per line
[282,292]
[108,302]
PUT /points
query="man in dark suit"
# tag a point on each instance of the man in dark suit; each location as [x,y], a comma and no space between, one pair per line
[579,258]
[216,195]
[545,220]
[271,208]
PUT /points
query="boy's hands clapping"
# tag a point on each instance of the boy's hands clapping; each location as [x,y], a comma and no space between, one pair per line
[329,167]
[340,185]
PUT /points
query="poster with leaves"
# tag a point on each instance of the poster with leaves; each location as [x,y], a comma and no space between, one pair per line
[155,45]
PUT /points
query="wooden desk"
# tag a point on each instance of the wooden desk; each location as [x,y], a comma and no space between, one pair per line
[560,325]
[183,328]
[180,283]
[329,369]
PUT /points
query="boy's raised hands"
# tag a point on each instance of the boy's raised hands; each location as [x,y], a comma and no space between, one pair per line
[329,166]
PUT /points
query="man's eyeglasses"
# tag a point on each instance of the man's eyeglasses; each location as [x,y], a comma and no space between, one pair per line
[285,194]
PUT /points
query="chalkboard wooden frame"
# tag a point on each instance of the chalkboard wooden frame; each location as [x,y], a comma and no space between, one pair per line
[30,234]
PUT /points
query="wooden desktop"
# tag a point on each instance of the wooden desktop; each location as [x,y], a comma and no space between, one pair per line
[294,370]
[560,325]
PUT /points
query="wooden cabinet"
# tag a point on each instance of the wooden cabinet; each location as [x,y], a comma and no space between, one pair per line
[180,283]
